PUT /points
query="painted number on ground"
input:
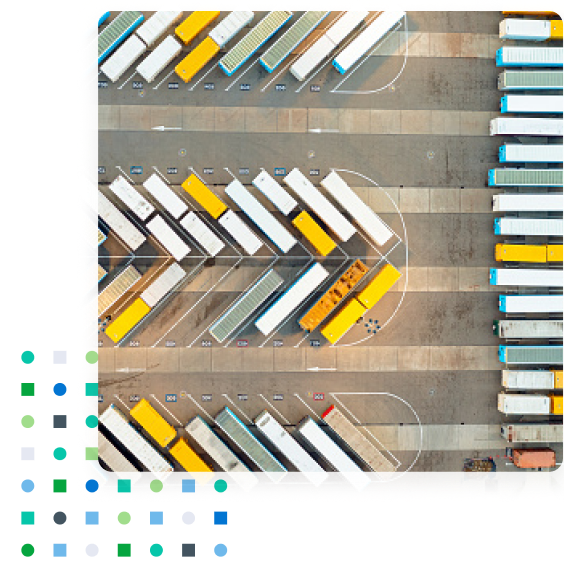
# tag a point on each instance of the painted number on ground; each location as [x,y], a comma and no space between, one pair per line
[172,170]
[170,397]
[101,169]
[245,87]
[315,88]
[242,343]
[278,397]
[100,399]
[279,171]
[134,343]
[206,397]
[318,396]
[134,398]
[136,170]
[314,343]
[277,343]
[170,343]
[242,396]
[208,170]
[209,86]
[313,172]
[102,84]
[173,85]
[244,171]
[280,87]
[206,343]
[137,84]
[100,343]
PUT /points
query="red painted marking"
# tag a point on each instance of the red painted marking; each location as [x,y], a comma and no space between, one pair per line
[327,411]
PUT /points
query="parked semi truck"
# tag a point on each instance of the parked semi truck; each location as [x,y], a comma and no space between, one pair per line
[529,56]
[168,238]
[541,126]
[530,303]
[534,458]
[529,226]
[524,29]
[531,354]
[527,203]
[532,433]
[530,80]
[545,178]
[520,153]
[532,380]
[531,104]
[529,404]
[528,329]
[159,59]
[541,253]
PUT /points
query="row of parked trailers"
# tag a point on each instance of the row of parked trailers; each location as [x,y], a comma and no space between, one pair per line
[145,37]
[347,449]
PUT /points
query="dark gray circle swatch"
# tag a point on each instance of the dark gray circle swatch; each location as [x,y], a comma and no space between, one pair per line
[60,518]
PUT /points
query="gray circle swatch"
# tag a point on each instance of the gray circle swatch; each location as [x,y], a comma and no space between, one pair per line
[188,518]
[92,550]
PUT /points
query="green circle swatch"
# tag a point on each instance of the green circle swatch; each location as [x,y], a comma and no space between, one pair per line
[156,550]
[28,357]
[156,485]
[91,357]
[59,453]
[220,485]
[28,550]
[124,518]
[27,421]
[91,421]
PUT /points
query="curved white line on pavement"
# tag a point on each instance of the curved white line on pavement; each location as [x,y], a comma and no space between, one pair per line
[335,90]
[412,410]
[406,242]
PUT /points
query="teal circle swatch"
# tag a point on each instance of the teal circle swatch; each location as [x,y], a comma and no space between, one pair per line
[91,421]
[156,550]
[28,485]
[27,358]
[91,357]
[220,550]
[156,485]
[220,486]
[59,453]
[27,550]
[27,421]
[124,518]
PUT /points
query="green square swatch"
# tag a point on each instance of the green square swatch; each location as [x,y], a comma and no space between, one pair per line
[28,389]
[124,550]
[92,389]
[28,518]
[59,485]
[124,485]
[91,453]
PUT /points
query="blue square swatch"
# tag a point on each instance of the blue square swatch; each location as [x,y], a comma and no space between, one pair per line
[92,518]
[219,518]
[156,518]
[59,550]
[188,486]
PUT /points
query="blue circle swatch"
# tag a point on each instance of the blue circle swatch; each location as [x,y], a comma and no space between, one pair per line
[60,389]
[92,486]
[220,550]
[27,485]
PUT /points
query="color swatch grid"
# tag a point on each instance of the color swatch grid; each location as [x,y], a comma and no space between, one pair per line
[74,471]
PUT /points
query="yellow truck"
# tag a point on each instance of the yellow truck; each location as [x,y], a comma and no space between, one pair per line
[378,286]
[343,321]
[194,24]
[528,253]
[187,458]
[121,326]
[196,60]
[194,186]
[318,238]
[556,406]
[153,423]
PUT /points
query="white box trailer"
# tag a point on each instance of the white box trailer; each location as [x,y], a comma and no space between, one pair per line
[131,198]
[240,232]
[368,220]
[168,238]
[319,204]
[538,277]
[529,226]
[531,104]
[523,404]
[274,192]
[520,153]
[529,56]
[367,39]
[153,28]
[165,196]
[230,26]
[526,380]
[260,216]
[123,58]
[204,235]
[526,126]
[523,29]
[283,441]
[530,303]
[291,299]
[119,224]
[163,284]
[532,433]
[338,31]
[160,58]
[317,439]
[112,457]
[311,58]
[527,203]
[531,80]
[528,329]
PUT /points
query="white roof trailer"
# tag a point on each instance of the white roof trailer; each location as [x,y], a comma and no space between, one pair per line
[291,299]
[168,238]
[532,433]
[164,283]
[327,448]
[529,404]
[230,26]
[529,56]
[528,226]
[524,380]
[531,104]
[116,422]
[526,277]
[319,204]
[153,65]
[131,198]
[123,58]
[112,457]
[527,203]
[242,234]
[153,28]
[368,220]
[338,31]
[287,445]
[528,329]
[526,126]
[530,303]
[165,196]
[196,227]
[275,192]
[367,39]
[260,216]
[119,224]
[520,153]
[523,29]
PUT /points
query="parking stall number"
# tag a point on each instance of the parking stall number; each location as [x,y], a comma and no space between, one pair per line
[136,170]
[170,397]
[134,398]
[172,170]
[242,396]
[315,88]
[170,343]
[137,84]
[242,343]
[278,397]
[101,169]
[314,343]
[206,343]
[318,396]
[279,171]
[281,87]
[208,171]
[277,343]
[209,86]
[245,87]
[100,399]
[173,85]
[314,172]
[244,171]
[102,84]
[206,397]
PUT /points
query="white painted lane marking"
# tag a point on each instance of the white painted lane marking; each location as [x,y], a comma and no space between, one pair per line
[167,410]
[237,408]
[286,421]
